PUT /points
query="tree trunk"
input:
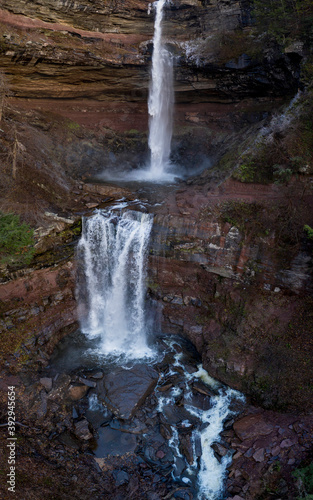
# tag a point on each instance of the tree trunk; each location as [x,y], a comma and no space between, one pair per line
[15,152]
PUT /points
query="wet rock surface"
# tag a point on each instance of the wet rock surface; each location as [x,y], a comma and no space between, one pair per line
[90,65]
[70,425]
[267,448]
[249,339]
[123,391]
[145,444]
[223,287]
[103,51]
[155,446]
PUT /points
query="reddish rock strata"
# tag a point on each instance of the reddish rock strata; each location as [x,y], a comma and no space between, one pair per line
[77,83]
[239,299]
[265,444]
[36,308]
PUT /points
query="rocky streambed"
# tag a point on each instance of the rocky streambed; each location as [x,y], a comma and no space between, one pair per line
[166,413]
[158,429]
[141,427]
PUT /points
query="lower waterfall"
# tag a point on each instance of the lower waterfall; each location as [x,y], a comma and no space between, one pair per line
[111,291]
[157,403]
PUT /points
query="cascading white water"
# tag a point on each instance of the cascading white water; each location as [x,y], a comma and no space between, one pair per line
[210,477]
[161,99]
[212,472]
[111,293]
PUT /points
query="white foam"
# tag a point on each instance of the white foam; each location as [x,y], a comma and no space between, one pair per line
[111,292]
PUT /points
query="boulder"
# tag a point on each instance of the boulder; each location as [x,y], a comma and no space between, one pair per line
[219,449]
[46,382]
[186,448]
[120,477]
[89,383]
[174,415]
[61,387]
[112,443]
[202,388]
[259,455]
[124,391]
[252,426]
[82,430]
[76,392]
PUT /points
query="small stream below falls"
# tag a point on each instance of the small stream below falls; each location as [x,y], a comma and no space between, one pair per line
[167,412]
[143,396]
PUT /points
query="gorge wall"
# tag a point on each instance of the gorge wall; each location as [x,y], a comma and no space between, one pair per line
[103,52]
[89,62]
[230,266]
[222,273]
[238,290]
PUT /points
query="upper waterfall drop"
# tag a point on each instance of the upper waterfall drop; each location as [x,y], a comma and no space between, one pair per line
[160,102]
[111,290]
[158,168]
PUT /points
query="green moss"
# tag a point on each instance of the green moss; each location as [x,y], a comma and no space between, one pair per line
[305,480]
[286,20]
[309,231]
[152,285]
[246,171]
[247,217]
[203,319]
[74,230]
[16,240]
[73,126]
[231,45]
[307,71]
[256,166]
[227,162]
[289,153]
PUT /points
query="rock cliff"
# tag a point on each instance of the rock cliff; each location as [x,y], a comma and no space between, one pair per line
[102,52]
[86,66]
[90,52]
[230,281]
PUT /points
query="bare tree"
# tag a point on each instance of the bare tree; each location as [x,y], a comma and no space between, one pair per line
[14,154]
[18,150]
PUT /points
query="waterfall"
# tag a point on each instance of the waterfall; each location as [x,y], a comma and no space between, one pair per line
[210,473]
[160,107]
[160,103]
[111,289]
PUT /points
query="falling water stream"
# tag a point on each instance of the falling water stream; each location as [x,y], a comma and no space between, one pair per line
[161,99]
[112,290]
[160,108]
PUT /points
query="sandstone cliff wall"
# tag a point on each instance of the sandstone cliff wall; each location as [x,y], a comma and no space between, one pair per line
[89,62]
[235,293]
[102,51]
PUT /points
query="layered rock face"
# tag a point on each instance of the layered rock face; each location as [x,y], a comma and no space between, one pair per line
[90,63]
[234,292]
[99,51]
[36,310]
